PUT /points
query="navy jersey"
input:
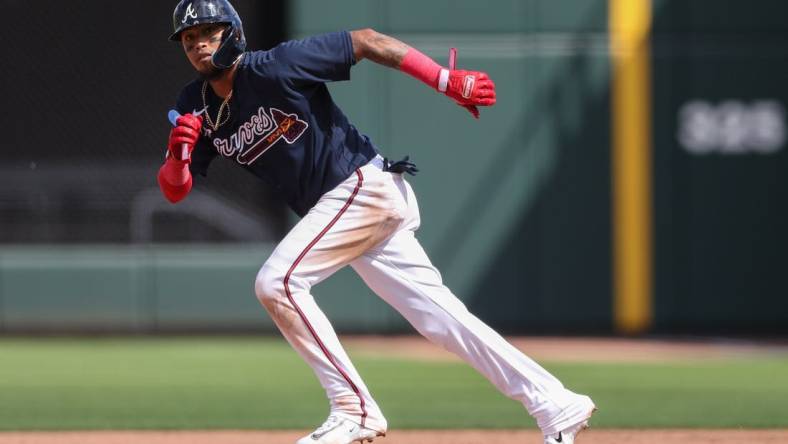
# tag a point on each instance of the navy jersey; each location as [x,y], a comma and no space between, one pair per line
[284,126]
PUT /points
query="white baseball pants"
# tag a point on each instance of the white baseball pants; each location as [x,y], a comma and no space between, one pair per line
[369,222]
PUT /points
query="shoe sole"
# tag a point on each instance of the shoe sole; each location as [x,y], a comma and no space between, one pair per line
[362,440]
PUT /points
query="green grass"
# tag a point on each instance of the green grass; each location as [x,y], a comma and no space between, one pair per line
[252,383]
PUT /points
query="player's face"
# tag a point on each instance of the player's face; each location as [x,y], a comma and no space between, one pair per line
[199,43]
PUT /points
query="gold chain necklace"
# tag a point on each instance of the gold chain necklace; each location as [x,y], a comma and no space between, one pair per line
[214,125]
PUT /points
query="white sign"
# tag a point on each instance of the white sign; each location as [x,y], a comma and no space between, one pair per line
[732,127]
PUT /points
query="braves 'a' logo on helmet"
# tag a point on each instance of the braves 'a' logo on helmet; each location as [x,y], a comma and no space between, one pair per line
[190,13]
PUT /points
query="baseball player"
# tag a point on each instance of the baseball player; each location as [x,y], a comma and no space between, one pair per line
[271,113]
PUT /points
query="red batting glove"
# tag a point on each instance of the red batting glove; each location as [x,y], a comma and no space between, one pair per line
[184,136]
[470,89]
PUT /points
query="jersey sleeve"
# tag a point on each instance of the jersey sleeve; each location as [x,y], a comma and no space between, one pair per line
[321,58]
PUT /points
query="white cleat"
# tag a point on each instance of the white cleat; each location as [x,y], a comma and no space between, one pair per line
[568,435]
[338,430]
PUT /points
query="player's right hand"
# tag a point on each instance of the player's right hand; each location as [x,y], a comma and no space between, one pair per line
[184,136]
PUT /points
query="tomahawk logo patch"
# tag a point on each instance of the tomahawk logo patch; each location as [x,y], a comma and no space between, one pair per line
[260,133]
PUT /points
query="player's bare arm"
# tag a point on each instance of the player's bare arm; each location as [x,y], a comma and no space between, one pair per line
[380,48]
[468,89]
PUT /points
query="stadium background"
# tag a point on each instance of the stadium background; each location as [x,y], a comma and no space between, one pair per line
[629,182]
[519,208]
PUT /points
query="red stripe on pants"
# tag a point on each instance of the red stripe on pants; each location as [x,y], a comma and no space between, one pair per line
[301,313]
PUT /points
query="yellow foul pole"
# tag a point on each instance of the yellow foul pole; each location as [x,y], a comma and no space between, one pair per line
[629,30]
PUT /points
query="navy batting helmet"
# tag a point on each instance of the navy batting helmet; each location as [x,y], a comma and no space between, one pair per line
[190,13]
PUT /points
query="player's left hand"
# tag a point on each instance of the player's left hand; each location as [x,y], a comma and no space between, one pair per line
[184,136]
[470,89]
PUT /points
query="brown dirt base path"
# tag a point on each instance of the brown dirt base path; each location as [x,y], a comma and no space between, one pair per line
[600,436]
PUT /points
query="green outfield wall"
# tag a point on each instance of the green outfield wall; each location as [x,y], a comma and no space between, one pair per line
[720,163]
[517,208]
[160,289]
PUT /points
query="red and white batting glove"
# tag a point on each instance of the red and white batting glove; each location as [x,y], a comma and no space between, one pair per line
[468,89]
[184,136]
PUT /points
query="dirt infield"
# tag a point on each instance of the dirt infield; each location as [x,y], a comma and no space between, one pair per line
[407,437]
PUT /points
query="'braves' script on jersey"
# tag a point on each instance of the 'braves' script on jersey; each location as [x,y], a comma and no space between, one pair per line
[260,133]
